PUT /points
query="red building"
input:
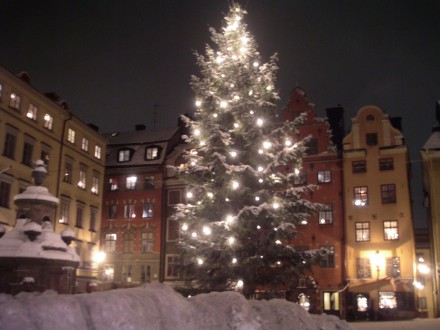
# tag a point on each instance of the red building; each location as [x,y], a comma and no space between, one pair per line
[319,290]
[132,213]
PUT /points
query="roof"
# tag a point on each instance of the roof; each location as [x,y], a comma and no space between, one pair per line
[141,136]
[433,141]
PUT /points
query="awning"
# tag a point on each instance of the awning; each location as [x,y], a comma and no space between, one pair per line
[384,284]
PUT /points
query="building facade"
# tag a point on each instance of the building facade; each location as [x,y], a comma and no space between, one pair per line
[36,126]
[430,155]
[133,207]
[380,251]
[319,290]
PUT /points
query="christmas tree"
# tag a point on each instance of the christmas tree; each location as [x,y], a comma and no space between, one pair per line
[241,206]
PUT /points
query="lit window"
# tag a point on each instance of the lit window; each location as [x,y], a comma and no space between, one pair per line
[386,164]
[360,196]
[45,154]
[124,155]
[95,184]
[98,152]
[82,177]
[113,184]
[71,135]
[110,242]
[388,193]
[387,300]
[68,171]
[131,182]
[359,166]
[15,102]
[32,112]
[362,231]
[326,215]
[65,211]
[391,230]
[152,153]
[85,144]
[331,301]
[129,211]
[324,176]
[48,121]
[363,268]
[148,210]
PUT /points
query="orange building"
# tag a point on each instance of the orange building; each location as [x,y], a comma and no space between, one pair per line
[320,289]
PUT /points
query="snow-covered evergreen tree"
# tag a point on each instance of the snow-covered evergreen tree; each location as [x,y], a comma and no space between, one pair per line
[241,204]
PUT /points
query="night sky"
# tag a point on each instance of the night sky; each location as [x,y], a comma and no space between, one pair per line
[122,63]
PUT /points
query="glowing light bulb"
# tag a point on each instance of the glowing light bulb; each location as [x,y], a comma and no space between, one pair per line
[206,230]
[260,168]
[231,240]
[233,154]
[288,143]
[236,125]
[276,205]
[278,242]
[223,104]
[202,143]
[258,227]
[200,261]
[278,263]
[234,260]
[229,219]
[267,145]
[210,195]
[243,50]
[232,85]
[219,59]
[198,103]
[193,234]
[196,132]
[257,198]
[260,122]
[260,180]
[189,195]
[244,39]
[269,88]
[297,171]
[184,227]
[234,57]
[236,97]
[235,184]
[215,115]
[251,112]
[240,283]
[256,64]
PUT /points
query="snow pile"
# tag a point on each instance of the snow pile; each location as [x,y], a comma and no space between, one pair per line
[155,306]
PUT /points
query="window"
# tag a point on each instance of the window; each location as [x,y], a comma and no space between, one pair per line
[387,300]
[360,196]
[82,182]
[145,273]
[388,193]
[393,267]
[32,112]
[370,118]
[79,216]
[112,211]
[147,211]
[65,211]
[15,102]
[359,166]
[331,301]
[10,142]
[363,268]
[152,153]
[131,182]
[147,242]
[110,242]
[68,170]
[128,240]
[45,154]
[5,192]
[172,230]
[386,164]
[124,155]
[95,183]
[173,262]
[98,152]
[326,215]
[391,230]
[327,257]
[129,211]
[149,182]
[48,121]
[362,231]
[371,139]
[113,184]
[85,144]
[324,176]
[312,147]
[28,150]
[93,218]
[71,135]
[300,177]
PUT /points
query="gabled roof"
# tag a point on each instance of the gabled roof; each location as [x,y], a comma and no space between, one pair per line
[433,141]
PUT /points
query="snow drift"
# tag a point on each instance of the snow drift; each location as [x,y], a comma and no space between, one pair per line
[155,306]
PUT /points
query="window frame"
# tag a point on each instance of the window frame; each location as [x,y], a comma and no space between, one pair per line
[328,259]
[85,144]
[363,268]
[110,240]
[325,216]
[324,176]
[359,166]
[149,213]
[391,230]
[48,121]
[150,154]
[388,193]
[15,101]
[32,112]
[386,164]
[360,195]
[362,231]
[129,211]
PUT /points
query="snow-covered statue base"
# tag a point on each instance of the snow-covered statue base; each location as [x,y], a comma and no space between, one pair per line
[155,306]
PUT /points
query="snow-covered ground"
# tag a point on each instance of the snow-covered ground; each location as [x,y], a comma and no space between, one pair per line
[155,306]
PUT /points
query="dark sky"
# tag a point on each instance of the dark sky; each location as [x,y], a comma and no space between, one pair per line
[112,61]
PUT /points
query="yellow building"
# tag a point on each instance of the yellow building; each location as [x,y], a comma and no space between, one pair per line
[431,185]
[36,126]
[379,233]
